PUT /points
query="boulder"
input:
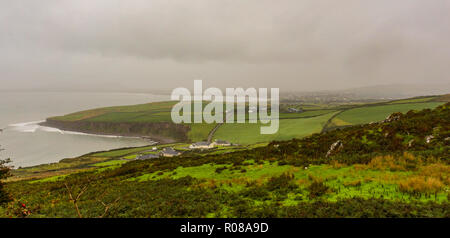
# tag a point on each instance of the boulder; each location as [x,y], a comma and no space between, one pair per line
[393,117]
[429,138]
[335,147]
[410,143]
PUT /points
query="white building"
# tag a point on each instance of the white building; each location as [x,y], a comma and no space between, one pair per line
[201,145]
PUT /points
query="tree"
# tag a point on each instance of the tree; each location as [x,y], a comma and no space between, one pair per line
[4,173]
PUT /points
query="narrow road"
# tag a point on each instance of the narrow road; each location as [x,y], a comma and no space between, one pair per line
[211,133]
[324,128]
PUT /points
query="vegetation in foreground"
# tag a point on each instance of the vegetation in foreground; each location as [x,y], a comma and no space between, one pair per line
[4,173]
[399,167]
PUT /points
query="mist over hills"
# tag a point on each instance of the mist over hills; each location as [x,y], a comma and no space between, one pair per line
[399,91]
[377,92]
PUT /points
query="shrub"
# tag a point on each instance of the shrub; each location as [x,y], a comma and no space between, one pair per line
[282,183]
[317,189]
[256,193]
[220,169]
[4,173]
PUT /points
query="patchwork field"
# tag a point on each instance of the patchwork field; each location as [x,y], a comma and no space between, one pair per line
[155,119]
[249,133]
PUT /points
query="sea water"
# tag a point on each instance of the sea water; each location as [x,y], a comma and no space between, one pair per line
[27,143]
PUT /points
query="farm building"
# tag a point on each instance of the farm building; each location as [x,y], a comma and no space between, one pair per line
[147,156]
[221,143]
[170,152]
[201,145]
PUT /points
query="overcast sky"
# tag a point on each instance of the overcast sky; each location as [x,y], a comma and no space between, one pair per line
[162,44]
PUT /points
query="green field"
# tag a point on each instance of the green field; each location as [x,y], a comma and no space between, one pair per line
[378,113]
[249,133]
[200,132]
[110,113]
[413,100]
[312,113]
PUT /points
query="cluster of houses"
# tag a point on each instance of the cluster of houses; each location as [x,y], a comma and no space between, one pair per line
[171,152]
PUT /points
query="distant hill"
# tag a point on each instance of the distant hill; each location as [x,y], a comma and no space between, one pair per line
[380,92]
[397,91]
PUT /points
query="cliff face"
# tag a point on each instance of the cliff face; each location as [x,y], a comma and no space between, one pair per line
[165,132]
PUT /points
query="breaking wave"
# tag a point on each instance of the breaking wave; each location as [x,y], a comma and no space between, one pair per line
[33,126]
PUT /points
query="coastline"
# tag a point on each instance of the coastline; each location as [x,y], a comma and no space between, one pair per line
[40,125]
[75,128]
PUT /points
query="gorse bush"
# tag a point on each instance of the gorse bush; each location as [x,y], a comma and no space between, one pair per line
[317,189]
[282,184]
[404,162]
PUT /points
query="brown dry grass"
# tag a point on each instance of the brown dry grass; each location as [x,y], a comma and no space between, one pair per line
[355,183]
[420,185]
[437,170]
[336,165]
[404,162]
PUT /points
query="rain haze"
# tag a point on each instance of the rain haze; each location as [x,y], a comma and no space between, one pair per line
[143,45]
[230,109]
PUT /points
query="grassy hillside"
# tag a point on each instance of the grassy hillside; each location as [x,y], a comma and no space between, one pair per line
[153,120]
[160,110]
[309,121]
[397,168]
[369,114]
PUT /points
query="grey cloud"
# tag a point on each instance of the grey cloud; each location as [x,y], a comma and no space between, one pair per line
[310,44]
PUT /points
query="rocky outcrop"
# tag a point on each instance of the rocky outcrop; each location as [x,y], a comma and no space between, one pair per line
[429,138]
[335,148]
[393,117]
[411,143]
